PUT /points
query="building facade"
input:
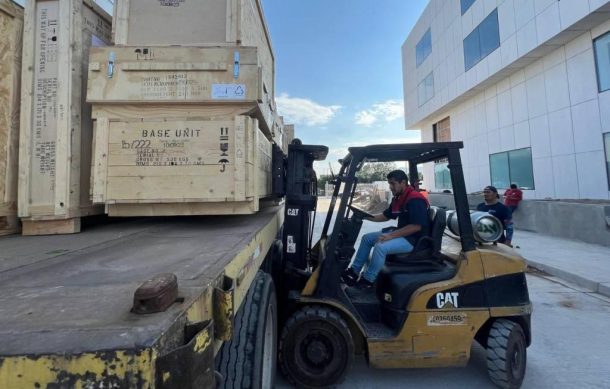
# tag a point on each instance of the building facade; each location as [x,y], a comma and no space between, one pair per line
[525,84]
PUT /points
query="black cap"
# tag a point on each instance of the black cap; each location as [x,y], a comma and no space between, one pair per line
[491,189]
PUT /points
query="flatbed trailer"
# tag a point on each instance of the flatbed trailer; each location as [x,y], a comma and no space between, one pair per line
[66,317]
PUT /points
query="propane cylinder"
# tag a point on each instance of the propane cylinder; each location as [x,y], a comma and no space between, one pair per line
[486,228]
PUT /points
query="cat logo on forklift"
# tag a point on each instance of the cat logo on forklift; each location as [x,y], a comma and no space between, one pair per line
[443,299]
[293,212]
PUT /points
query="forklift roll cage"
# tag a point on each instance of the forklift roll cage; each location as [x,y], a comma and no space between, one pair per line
[337,256]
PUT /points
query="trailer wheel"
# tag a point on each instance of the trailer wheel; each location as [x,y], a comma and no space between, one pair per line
[249,359]
[506,354]
[316,348]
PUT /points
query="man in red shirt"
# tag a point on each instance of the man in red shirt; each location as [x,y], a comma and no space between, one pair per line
[512,197]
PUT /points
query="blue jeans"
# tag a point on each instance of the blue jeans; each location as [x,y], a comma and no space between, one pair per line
[381,249]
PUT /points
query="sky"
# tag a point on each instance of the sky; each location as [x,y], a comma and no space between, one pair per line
[339,69]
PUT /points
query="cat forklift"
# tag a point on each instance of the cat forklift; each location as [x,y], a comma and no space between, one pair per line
[428,306]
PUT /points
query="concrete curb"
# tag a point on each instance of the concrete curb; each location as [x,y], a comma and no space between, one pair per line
[594,286]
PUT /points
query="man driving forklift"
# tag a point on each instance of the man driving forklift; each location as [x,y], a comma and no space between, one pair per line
[410,207]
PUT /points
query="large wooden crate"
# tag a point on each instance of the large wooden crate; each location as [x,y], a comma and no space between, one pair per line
[198,23]
[11,30]
[56,126]
[180,75]
[180,163]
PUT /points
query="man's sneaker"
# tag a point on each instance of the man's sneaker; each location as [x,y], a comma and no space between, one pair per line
[365,285]
[349,277]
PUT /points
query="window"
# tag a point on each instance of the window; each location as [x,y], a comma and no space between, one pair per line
[607,147]
[425,89]
[423,48]
[442,177]
[442,131]
[512,167]
[466,4]
[482,41]
[602,61]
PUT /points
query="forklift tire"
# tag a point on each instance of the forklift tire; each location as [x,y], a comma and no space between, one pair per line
[316,348]
[249,359]
[506,354]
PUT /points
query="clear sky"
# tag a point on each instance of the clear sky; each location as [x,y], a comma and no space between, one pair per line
[339,69]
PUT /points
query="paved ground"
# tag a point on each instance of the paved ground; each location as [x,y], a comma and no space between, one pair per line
[569,349]
[584,264]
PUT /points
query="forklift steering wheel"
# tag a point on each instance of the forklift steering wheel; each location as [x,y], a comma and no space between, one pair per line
[359,213]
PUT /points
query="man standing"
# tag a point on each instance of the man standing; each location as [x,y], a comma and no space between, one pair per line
[512,197]
[499,210]
[411,209]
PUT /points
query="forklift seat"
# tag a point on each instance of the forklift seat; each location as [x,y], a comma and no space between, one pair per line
[428,246]
[403,274]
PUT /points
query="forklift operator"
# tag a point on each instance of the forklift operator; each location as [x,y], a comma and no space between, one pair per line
[411,209]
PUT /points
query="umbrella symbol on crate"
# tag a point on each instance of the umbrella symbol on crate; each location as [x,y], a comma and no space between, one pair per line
[223,162]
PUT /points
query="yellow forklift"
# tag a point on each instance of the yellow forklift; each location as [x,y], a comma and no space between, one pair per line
[428,306]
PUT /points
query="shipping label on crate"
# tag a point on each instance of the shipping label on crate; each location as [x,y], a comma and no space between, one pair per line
[229,91]
[45,113]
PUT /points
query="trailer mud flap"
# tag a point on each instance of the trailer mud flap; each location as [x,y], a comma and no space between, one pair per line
[191,365]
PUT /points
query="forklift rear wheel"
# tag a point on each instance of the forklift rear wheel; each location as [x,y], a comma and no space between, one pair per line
[506,354]
[249,359]
[316,348]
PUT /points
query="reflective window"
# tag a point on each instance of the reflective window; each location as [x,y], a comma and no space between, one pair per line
[602,61]
[442,177]
[512,167]
[423,48]
[425,89]
[482,41]
[466,4]
[607,147]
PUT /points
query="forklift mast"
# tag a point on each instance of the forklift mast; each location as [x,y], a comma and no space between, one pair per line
[300,190]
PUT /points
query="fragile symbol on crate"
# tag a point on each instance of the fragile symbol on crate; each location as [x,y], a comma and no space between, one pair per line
[224,148]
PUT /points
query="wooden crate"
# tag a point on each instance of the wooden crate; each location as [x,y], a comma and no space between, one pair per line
[180,75]
[56,126]
[11,31]
[197,23]
[190,164]
[288,136]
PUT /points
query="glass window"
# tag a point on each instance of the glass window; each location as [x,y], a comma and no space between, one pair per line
[489,34]
[466,4]
[602,61]
[442,177]
[512,167]
[482,41]
[500,176]
[607,147]
[472,49]
[425,89]
[423,48]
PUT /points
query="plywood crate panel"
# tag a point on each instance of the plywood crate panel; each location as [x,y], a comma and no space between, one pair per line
[196,23]
[56,126]
[181,166]
[179,75]
[11,31]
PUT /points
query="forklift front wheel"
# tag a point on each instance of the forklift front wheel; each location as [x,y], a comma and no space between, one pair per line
[506,354]
[316,348]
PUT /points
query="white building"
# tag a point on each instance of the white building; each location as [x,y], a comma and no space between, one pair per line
[525,84]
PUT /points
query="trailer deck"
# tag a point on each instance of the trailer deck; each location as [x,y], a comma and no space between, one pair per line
[72,295]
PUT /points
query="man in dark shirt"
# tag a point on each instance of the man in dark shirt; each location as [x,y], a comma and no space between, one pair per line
[411,209]
[499,210]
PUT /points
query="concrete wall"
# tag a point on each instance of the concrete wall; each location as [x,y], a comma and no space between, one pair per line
[579,221]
